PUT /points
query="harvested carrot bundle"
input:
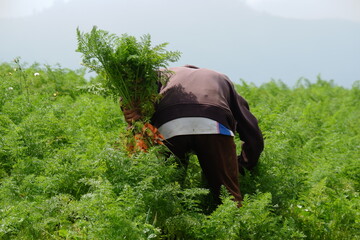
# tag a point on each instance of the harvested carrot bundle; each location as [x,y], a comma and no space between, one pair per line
[143,139]
[131,71]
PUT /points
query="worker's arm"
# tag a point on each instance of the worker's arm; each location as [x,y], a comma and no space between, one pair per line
[249,131]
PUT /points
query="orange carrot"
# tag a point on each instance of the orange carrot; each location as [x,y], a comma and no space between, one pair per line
[142,140]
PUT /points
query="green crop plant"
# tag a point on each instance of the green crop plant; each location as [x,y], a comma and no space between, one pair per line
[65,174]
[130,67]
[133,71]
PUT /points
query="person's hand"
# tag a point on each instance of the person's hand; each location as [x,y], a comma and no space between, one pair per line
[241,170]
[131,115]
[242,162]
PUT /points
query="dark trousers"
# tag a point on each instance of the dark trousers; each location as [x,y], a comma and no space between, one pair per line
[217,158]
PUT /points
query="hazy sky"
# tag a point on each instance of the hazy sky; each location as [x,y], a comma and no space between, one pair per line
[254,40]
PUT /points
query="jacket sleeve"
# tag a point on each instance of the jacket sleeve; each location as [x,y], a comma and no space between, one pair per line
[249,131]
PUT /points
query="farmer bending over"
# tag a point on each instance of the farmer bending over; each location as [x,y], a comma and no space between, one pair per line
[199,112]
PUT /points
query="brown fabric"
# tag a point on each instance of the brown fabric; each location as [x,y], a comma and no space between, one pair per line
[200,92]
[192,91]
[217,157]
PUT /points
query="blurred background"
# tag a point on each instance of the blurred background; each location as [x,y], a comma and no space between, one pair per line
[253,40]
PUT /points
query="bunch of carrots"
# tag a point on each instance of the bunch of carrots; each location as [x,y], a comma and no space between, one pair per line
[130,69]
[142,140]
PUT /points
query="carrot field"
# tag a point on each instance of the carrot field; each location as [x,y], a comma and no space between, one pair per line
[65,173]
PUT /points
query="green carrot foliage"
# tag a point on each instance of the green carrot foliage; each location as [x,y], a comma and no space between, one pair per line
[129,66]
[65,175]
